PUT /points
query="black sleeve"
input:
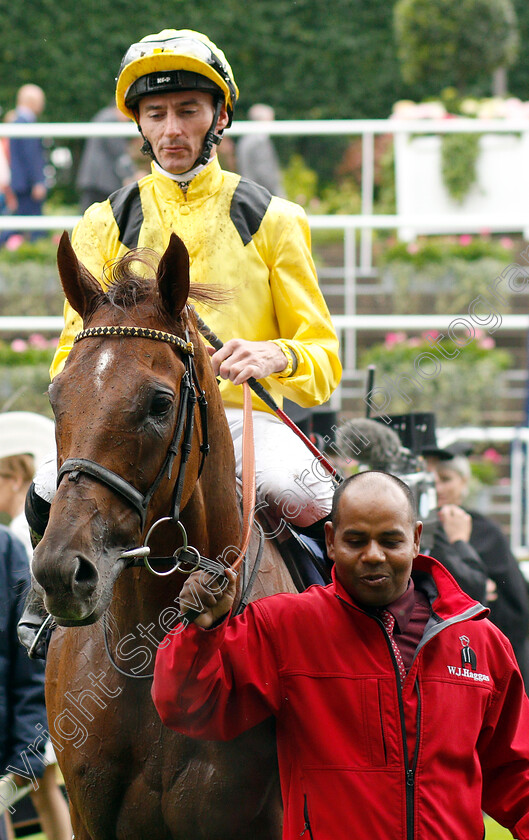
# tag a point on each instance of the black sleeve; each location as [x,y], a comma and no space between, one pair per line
[462,561]
[510,611]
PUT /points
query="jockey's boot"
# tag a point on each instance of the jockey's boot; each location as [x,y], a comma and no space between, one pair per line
[35,622]
[33,626]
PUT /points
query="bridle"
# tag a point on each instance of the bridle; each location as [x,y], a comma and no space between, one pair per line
[186,558]
[191,392]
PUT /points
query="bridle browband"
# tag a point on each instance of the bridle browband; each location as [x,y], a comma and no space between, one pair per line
[191,392]
[139,332]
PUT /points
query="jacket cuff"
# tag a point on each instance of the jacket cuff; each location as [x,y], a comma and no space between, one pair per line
[292,359]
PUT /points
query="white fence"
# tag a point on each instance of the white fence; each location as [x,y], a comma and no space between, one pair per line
[357,231]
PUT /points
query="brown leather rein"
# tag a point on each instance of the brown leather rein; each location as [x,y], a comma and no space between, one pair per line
[186,558]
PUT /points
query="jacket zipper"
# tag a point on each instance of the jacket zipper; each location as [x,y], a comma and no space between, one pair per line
[409,772]
[306,827]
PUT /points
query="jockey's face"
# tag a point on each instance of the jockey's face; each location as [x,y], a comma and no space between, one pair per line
[175,124]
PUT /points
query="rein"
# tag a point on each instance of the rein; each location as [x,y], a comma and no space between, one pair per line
[190,393]
[187,558]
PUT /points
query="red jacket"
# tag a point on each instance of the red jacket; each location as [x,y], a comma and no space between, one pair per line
[359,757]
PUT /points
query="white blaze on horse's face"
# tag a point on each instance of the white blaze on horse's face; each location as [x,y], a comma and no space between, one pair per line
[105,361]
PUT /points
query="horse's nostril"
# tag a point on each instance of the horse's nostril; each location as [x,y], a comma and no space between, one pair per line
[85,575]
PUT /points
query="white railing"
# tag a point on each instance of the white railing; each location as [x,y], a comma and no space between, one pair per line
[357,231]
[354,263]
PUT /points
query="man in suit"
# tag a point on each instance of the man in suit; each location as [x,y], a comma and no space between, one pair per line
[28,181]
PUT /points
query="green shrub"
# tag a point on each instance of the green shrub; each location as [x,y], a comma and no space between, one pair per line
[459,158]
[435,250]
[460,41]
[452,284]
[462,392]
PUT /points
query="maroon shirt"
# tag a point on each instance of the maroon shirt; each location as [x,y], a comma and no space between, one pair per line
[411,612]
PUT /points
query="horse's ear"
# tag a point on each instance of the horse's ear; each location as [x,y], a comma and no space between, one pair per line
[173,276]
[80,286]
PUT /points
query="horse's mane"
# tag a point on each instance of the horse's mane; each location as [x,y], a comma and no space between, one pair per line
[131,280]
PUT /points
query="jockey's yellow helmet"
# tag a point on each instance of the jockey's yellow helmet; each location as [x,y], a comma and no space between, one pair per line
[172,60]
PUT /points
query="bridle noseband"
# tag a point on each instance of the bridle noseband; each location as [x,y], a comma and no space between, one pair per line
[191,392]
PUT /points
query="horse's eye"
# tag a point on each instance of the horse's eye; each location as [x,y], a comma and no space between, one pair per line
[160,405]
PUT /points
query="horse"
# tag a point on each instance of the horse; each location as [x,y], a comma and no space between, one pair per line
[134,467]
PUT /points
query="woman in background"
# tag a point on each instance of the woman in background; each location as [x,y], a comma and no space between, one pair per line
[24,439]
[510,610]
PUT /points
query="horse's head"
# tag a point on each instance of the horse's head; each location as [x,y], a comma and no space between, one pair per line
[117,405]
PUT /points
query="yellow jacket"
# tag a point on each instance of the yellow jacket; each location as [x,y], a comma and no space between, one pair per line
[254,246]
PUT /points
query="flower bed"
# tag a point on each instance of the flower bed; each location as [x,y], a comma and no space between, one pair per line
[450,271]
[462,385]
[24,374]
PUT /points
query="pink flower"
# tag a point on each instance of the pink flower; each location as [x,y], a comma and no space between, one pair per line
[394,338]
[14,242]
[506,242]
[492,455]
[487,343]
[412,248]
[465,239]
[432,334]
[414,342]
[18,345]
[38,341]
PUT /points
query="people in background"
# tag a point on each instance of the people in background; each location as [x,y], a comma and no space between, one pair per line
[7,201]
[26,154]
[106,163]
[22,707]
[25,438]
[257,158]
[509,609]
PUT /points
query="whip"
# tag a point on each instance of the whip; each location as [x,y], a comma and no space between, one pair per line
[267,398]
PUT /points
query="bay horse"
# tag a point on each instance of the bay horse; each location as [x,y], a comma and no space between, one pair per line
[121,471]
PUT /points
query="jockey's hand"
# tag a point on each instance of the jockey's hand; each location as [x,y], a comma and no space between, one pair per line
[456,522]
[214,593]
[239,359]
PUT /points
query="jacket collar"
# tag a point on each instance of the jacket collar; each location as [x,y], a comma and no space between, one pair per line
[446,597]
[204,184]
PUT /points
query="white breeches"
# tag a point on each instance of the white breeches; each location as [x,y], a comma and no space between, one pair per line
[292,482]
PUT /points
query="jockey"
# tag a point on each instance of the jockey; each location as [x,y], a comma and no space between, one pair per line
[179,89]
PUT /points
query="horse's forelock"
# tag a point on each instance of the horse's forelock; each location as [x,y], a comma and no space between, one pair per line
[132,280]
